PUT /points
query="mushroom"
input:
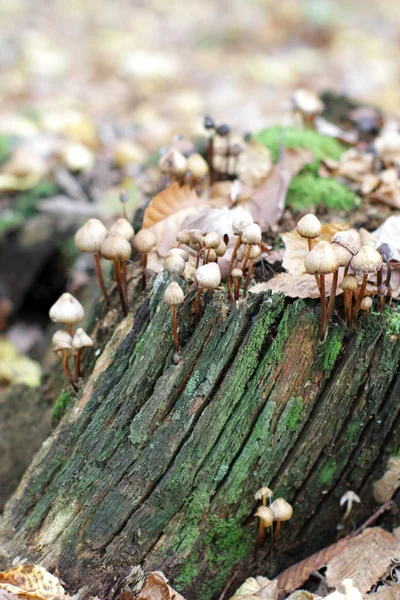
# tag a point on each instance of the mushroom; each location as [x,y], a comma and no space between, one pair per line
[173,164]
[364,263]
[89,238]
[174,264]
[123,228]
[266,517]
[307,105]
[344,258]
[183,237]
[282,511]
[348,498]
[237,275]
[222,248]
[309,227]
[262,494]
[196,242]
[67,310]
[211,241]
[62,347]
[117,249]
[349,285]
[321,260]
[382,291]
[174,296]
[240,222]
[251,236]
[223,131]
[209,125]
[124,198]
[366,304]
[143,243]
[254,253]
[386,251]
[197,167]
[80,341]
[179,252]
[208,277]
[349,239]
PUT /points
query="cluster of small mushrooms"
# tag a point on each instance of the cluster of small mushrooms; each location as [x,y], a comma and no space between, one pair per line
[278,511]
[346,250]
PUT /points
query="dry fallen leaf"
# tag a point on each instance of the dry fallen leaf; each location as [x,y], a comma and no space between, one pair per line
[385,488]
[257,588]
[391,592]
[364,559]
[297,286]
[254,164]
[388,191]
[389,232]
[157,588]
[32,582]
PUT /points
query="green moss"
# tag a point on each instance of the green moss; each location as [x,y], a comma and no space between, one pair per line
[26,202]
[320,145]
[6,146]
[393,323]
[293,412]
[195,508]
[188,573]
[331,348]
[10,220]
[60,405]
[353,428]
[327,472]
[307,190]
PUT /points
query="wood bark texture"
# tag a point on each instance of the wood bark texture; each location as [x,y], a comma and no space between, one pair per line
[157,461]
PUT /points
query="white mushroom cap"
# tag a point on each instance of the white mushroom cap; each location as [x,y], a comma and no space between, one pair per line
[90,236]
[309,226]
[255,251]
[81,339]
[61,336]
[222,248]
[251,234]
[367,260]
[282,510]
[208,276]
[350,239]
[197,166]
[237,273]
[265,514]
[179,252]
[212,240]
[144,241]
[321,259]
[307,102]
[173,295]
[58,348]
[67,310]
[116,247]
[343,255]
[366,303]
[173,162]
[263,492]
[174,264]
[122,227]
[240,222]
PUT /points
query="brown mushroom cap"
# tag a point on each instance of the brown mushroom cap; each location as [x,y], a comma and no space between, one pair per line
[350,239]
[144,241]
[309,226]
[321,259]
[282,510]
[367,260]
[208,276]
[173,295]
[67,310]
[123,228]
[116,247]
[90,236]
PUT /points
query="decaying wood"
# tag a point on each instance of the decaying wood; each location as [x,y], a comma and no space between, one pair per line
[157,462]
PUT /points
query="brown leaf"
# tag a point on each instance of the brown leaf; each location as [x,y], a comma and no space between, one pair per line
[296,286]
[33,582]
[254,164]
[364,559]
[157,588]
[296,247]
[297,574]
[385,488]
[257,588]
[389,232]
[388,191]
[391,592]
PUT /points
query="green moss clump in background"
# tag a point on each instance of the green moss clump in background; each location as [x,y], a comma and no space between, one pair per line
[306,190]
[320,145]
[393,322]
[60,405]
[327,473]
[6,146]
[27,202]
[188,574]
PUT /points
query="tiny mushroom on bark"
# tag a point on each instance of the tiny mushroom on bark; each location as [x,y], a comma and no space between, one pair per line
[208,277]
[349,286]
[366,304]
[266,517]
[117,249]
[211,241]
[251,236]
[197,168]
[67,310]
[262,494]
[386,251]
[348,498]
[80,341]
[183,237]
[282,511]
[236,275]
[62,347]
[321,260]
[309,227]
[143,243]
[174,296]
[364,263]
[89,238]
[174,263]
[179,252]
[239,223]
[123,228]
[255,252]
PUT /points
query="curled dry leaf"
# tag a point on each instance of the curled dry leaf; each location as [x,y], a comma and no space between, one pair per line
[32,582]
[386,487]
[157,588]
[257,588]
[297,286]
[364,559]
[388,191]
[389,232]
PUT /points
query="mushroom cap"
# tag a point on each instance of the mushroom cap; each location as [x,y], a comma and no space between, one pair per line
[241,253]
[251,234]
[366,303]
[195,237]
[237,273]
[173,295]
[222,248]
[367,260]
[144,241]
[183,237]
[173,162]
[309,226]
[212,255]
[81,339]
[351,592]
[350,239]
[386,251]
[197,166]
[212,240]
[282,510]
[382,290]
[321,259]
[263,492]
[266,514]
[179,252]
[307,102]
[174,264]
[123,228]
[58,348]
[67,310]
[116,247]
[255,251]
[61,336]
[343,255]
[349,496]
[208,276]
[90,236]
[349,283]
[240,222]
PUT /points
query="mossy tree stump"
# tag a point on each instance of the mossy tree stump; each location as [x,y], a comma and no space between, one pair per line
[157,463]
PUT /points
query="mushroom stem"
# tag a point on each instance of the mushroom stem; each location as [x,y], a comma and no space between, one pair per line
[360,295]
[197,304]
[124,211]
[117,272]
[228,154]
[236,288]
[175,329]
[332,296]
[70,330]
[323,308]
[379,276]
[78,363]
[347,296]
[260,537]
[274,538]
[246,258]
[381,305]
[210,156]
[388,275]
[101,279]
[67,371]
[310,244]
[249,272]
[208,255]
[228,279]
[346,271]
[125,280]
[144,272]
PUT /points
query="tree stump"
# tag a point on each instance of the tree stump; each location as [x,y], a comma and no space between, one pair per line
[157,462]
